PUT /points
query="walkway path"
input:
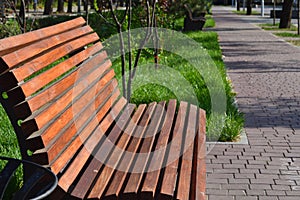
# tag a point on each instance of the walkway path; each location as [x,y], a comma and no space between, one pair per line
[265,72]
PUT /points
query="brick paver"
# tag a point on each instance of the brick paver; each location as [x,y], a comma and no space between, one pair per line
[265,72]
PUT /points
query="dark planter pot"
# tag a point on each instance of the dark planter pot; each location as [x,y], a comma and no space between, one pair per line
[194,24]
[198,14]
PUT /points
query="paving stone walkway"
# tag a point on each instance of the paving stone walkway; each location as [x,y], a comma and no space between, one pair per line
[265,72]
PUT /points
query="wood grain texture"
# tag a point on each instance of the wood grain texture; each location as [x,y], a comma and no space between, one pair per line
[79,111]
[85,181]
[62,85]
[91,140]
[185,175]
[64,92]
[156,164]
[28,52]
[139,168]
[13,43]
[200,174]
[170,175]
[129,142]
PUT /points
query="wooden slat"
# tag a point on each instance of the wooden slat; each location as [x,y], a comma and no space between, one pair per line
[12,79]
[135,178]
[200,173]
[116,154]
[169,180]
[71,92]
[44,157]
[12,43]
[63,159]
[32,104]
[151,180]
[69,176]
[46,59]
[19,56]
[79,111]
[185,174]
[122,157]
[91,171]
[76,123]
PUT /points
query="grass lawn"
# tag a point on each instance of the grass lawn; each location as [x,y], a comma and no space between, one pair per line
[295,42]
[271,27]
[241,12]
[156,92]
[287,34]
[210,22]
[9,148]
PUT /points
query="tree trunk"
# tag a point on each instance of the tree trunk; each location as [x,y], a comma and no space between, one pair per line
[249,7]
[238,5]
[48,7]
[286,16]
[22,18]
[70,6]
[60,6]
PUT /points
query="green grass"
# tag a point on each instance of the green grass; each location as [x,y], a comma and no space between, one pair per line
[287,34]
[295,42]
[159,91]
[9,148]
[210,22]
[241,12]
[271,27]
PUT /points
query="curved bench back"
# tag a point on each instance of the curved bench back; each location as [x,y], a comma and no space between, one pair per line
[55,83]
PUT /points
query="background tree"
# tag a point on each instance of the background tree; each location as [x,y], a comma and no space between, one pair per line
[122,21]
[70,2]
[48,9]
[60,6]
[249,7]
[286,15]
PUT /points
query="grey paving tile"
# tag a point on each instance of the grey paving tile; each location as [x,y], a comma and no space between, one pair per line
[269,166]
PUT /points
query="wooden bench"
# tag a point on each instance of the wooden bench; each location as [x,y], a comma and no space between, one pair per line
[192,22]
[68,114]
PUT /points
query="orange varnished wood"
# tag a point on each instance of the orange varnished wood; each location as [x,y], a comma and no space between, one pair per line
[169,181]
[85,107]
[10,44]
[67,177]
[73,91]
[200,173]
[185,175]
[65,137]
[74,146]
[92,141]
[51,92]
[122,157]
[98,118]
[46,59]
[139,169]
[151,180]
[38,82]
[20,56]
[114,135]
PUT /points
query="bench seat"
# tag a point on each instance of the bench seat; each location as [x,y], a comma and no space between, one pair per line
[62,98]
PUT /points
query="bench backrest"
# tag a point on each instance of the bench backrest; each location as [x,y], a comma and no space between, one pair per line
[55,83]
